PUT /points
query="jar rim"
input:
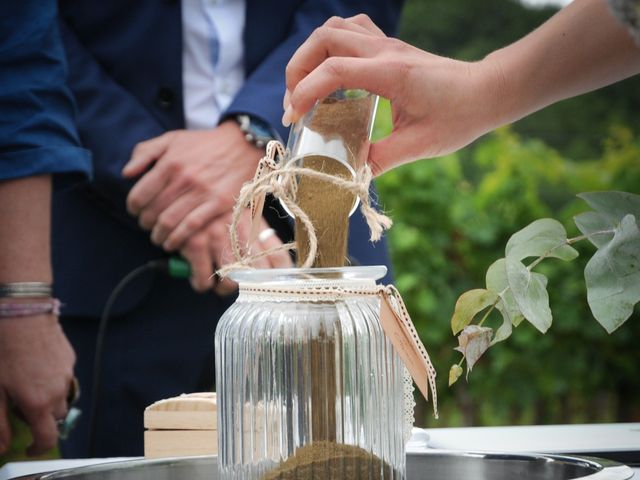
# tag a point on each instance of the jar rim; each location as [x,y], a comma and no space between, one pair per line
[287,275]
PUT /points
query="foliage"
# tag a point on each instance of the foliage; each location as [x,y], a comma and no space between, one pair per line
[470,30]
[452,218]
[612,275]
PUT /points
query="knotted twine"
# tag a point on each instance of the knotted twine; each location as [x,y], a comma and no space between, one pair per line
[280,181]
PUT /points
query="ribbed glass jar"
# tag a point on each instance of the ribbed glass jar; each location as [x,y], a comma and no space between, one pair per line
[308,385]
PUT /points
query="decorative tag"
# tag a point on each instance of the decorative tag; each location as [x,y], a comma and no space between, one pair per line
[274,151]
[398,327]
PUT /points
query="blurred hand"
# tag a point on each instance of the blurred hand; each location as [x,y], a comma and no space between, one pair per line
[36,369]
[438,104]
[187,194]
[210,249]
[189,179]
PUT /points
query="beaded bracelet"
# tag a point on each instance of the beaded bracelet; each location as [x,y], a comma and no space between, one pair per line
[51,305]
[25,289]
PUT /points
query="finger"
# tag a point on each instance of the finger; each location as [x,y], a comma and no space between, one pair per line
[146,189]
[225,287]
[150,215]
[341,72]
[43,429]
[327,42]
[5,426]
[363,20]
[280,259]
[398,148]
[197,252]
[180,221]
[145,153]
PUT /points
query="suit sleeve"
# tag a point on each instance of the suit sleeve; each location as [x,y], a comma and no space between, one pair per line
[37,130]
[262,93]
[111,121]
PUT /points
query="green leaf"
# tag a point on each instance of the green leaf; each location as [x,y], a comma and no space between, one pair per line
[542,237]
[591,222]
[496,279]
[468,305]
[454,373]
[530,293]
[505,330]
[473,342]
[613,276]
[612,204]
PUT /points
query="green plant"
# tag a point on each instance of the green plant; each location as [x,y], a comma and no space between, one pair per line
[518,293]
[452,218]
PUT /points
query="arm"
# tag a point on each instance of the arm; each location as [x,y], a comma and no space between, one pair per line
[36,359]
[440,105]
[37,138]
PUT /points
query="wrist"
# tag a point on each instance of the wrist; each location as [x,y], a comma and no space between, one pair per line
[502,102]
[256,131]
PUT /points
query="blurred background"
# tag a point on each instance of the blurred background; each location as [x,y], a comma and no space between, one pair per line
[454,215]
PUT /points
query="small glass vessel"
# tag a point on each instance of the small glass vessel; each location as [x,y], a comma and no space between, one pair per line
[335,135]
[308,385]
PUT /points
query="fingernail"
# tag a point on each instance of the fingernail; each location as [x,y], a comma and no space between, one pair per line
[288,116]
[285,100]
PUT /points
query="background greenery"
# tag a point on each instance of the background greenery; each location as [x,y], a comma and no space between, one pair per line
[454,215]
[471,202]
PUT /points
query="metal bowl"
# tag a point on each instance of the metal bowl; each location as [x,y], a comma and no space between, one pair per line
[430,465]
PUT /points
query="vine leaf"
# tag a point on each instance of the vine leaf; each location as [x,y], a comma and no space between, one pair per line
[613,276]
[613,205]
[530,293]
[589,223]
[468,305]
[455,372]
[542,237]
[496,280]
[473,342]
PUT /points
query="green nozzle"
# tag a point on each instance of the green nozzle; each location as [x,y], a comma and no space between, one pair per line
[179,268]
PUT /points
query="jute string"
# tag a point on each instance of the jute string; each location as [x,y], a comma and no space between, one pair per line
[273,178]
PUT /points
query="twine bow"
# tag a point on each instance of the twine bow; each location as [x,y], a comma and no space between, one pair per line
[273,177]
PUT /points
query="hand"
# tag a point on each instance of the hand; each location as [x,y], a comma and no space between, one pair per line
[438,104]
[210,248]
[192,177]
[36,370]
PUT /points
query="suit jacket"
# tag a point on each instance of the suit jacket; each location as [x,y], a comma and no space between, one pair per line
[37,128]
[125,70]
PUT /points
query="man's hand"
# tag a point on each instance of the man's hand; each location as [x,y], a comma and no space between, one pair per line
[210,249]
[192,177]
[187,194]
[36,370]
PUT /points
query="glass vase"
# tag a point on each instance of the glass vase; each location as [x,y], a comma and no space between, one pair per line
[308,385]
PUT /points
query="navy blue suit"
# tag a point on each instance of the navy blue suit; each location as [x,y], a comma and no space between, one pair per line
[126,74]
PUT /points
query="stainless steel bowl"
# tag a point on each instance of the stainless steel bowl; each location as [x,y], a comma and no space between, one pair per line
[431,465]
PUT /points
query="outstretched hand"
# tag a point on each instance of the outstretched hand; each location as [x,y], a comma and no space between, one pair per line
[436,102]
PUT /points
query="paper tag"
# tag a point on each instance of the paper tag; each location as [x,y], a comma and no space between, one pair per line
[257,205]
[267,163]
[399,329]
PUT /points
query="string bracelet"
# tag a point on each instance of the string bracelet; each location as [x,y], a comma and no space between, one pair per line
[25,290]
[51,305]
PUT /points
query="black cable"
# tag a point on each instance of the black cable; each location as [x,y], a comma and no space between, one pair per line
[162,265]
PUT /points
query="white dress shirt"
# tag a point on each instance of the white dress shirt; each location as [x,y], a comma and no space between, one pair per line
[212,58]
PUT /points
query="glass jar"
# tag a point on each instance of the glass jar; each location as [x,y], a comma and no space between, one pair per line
[334,136]
[308,385]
